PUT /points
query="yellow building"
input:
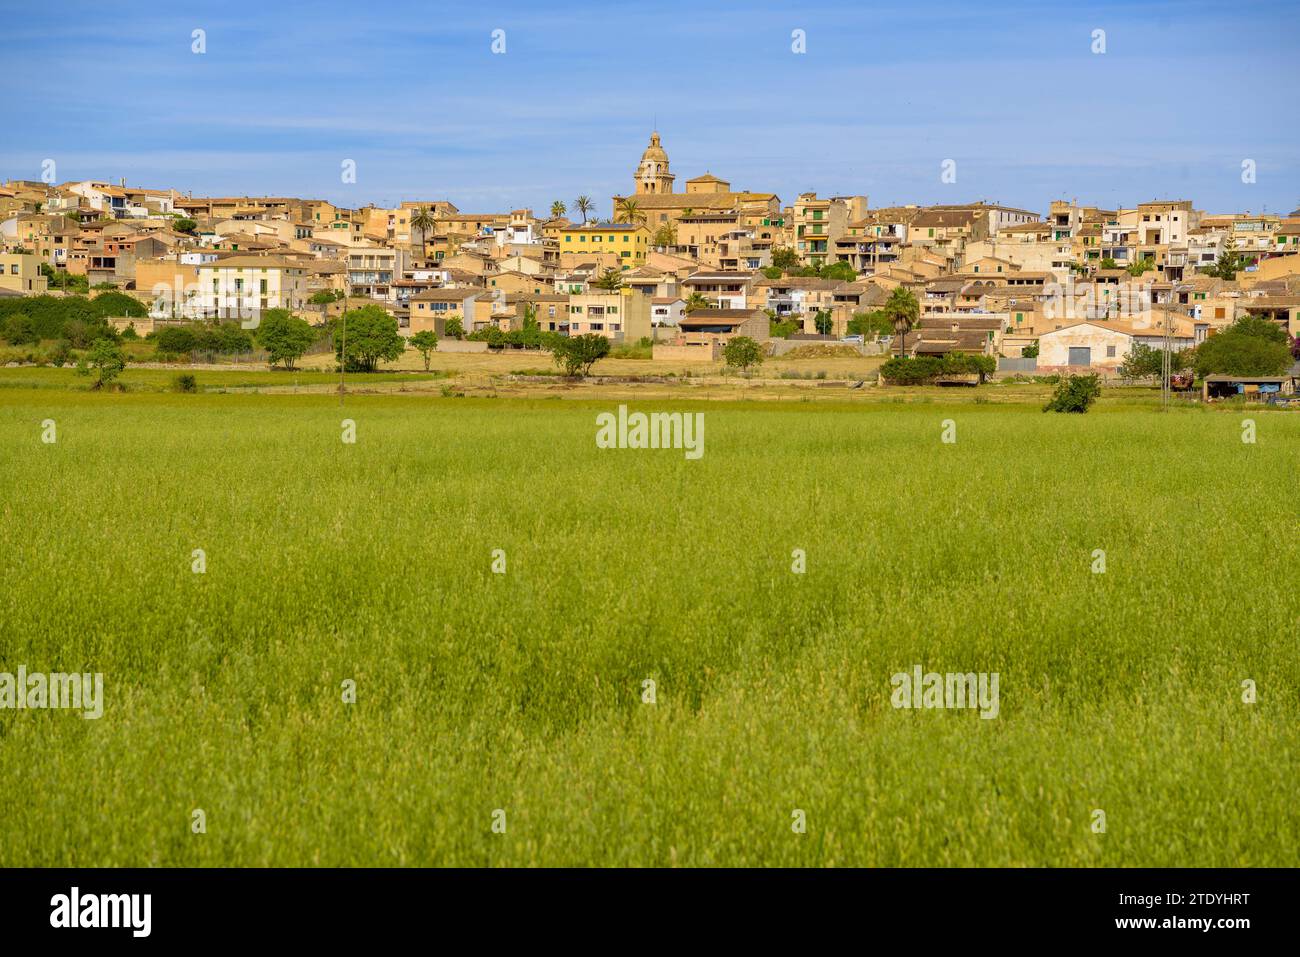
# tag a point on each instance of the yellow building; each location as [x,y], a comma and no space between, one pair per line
[622,316]
[21,273]
[628,242]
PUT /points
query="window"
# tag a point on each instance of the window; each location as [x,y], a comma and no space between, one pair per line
[1110,352]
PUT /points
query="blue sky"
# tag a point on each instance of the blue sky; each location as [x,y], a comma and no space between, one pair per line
[884,94]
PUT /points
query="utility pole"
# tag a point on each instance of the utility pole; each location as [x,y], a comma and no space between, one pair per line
[343,355]
[1167,359]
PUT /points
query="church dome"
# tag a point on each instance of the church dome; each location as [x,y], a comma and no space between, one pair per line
[654,153]
[652,175]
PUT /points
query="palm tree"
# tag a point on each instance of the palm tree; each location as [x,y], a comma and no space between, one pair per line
[697,300]
[423,222]
[611,280]
[558,209]
[629,211]
[584,205]
[903,311]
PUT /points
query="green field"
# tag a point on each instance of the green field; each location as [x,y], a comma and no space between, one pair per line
[523,691]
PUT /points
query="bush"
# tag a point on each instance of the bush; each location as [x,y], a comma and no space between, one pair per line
[921,369]
[185,382]
[21,331]
[911,371]
[494,337]
[61,353]
[176,339]
[1074,394]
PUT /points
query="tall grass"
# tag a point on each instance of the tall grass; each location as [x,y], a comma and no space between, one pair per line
[523,691]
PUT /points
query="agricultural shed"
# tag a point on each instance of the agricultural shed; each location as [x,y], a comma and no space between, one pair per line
[1252,387]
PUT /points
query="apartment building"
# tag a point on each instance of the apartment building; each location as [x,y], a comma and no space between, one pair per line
[240,286]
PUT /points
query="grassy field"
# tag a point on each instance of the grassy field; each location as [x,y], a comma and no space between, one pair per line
[522,691]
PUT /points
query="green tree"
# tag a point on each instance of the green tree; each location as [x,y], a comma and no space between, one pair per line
[284,336]
[695,301]
[742,352]
[183,224]
[1144,265]
[1229,263]
[665,235]
[1109,263]
[784,258]
[611,280]
[117,304]
[20,330]
[1146,362]
[1249,347]
[584,205]
[822,322]
[869,325]
[1030,351]
[577,354]
[558,209]
[838,270]
[323,297]
[425,342]
[105,359]
[903,311]
[422,222]
[629,211]
[372,337]
[454,328]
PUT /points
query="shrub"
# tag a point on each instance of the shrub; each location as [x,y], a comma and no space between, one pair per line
[185,382]
[1074,394]
[61,353]
[911,371]
[21,331]
[176,339]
